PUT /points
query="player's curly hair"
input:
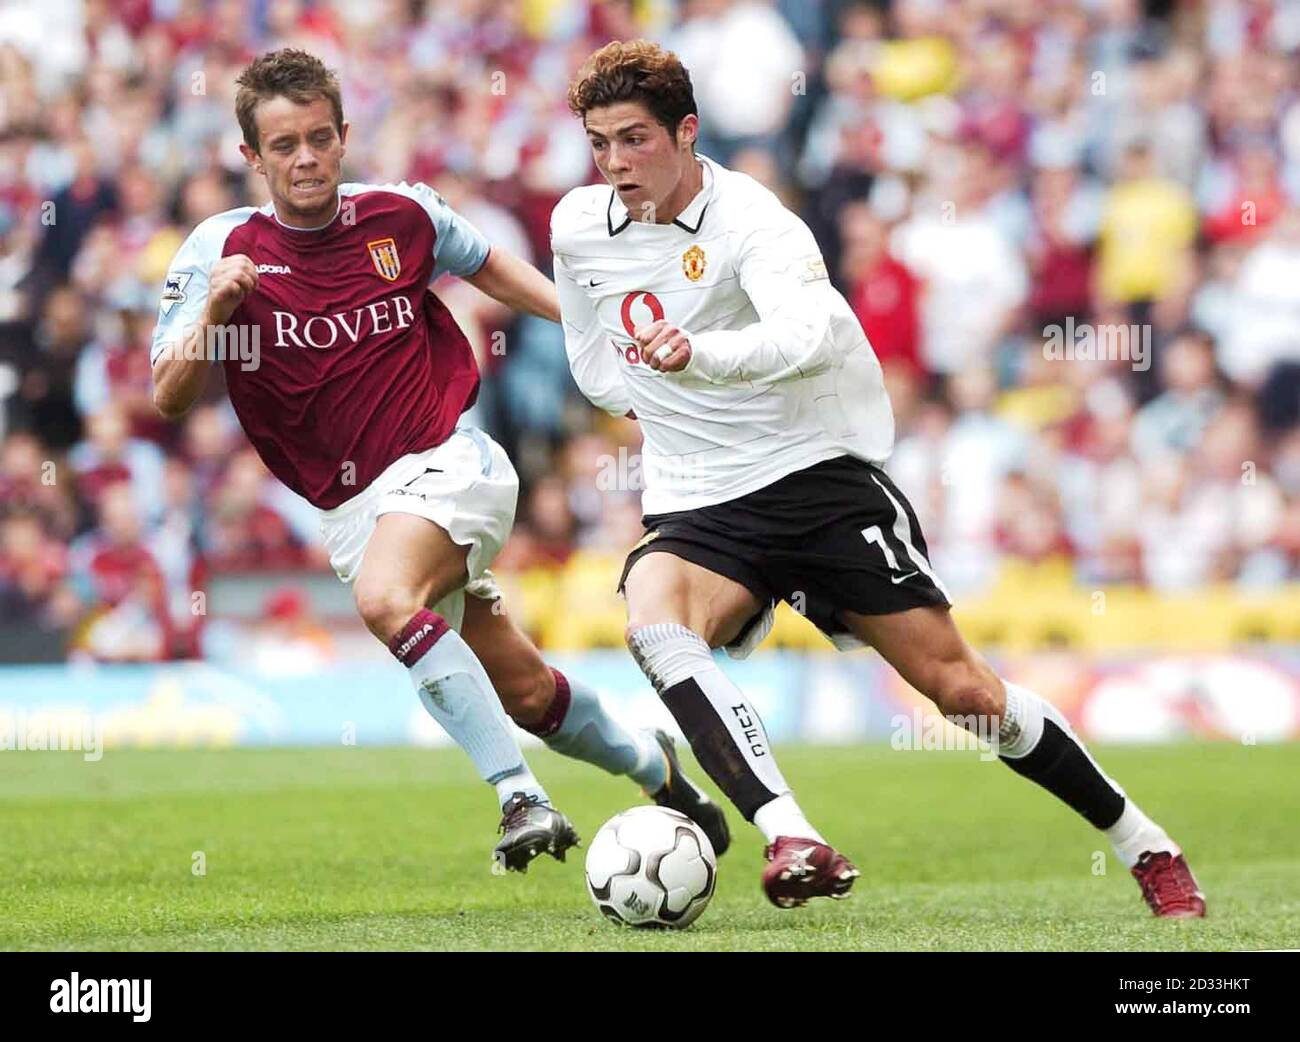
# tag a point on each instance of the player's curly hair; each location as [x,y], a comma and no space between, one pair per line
[294,74]
[635,70]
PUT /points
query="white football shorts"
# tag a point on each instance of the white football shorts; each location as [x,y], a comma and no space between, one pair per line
[467,486]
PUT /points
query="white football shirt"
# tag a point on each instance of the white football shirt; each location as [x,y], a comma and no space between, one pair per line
[781,375]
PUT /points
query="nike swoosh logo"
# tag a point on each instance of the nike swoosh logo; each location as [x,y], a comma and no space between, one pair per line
[593,283]
[902,577]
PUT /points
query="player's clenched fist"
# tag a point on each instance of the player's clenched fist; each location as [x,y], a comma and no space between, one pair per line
[231,280]
[664,346]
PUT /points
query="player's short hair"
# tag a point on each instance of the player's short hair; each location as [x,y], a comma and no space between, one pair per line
[635,70]
[294,74]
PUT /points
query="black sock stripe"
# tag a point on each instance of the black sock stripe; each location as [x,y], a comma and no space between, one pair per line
[1059,765]
[715,748]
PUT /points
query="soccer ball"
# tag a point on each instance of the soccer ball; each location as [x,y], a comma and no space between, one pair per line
[651,866]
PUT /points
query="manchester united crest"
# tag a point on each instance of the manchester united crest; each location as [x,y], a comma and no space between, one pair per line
[383,252]
[693,263]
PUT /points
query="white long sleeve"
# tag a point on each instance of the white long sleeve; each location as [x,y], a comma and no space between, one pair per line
[591,358]
[782,272]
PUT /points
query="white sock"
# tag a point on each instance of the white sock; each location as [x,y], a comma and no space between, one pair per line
[1134,834]
[453,686]
[521,781]
[724,729]
[782,817]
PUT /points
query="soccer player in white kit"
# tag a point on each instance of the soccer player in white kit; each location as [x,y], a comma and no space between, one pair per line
[692,299]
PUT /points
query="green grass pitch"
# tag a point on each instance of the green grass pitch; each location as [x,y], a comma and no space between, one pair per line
[356,848]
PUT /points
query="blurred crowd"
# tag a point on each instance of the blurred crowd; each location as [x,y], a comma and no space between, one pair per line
[981,175]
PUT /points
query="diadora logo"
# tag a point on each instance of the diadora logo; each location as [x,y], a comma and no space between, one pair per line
[426,496]
[414,639]
[273,269]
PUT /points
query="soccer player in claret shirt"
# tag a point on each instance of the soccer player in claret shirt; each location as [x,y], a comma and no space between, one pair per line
[353,399]
[694,299]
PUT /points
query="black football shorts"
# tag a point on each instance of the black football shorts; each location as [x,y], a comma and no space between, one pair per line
[837,536]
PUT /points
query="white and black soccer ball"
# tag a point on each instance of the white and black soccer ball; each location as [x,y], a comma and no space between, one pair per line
[651,866]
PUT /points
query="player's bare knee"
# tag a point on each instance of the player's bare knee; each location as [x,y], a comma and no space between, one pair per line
[965,690]
[385,610]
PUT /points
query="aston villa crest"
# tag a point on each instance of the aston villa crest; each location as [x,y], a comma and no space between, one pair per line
[693,263]
[387,262]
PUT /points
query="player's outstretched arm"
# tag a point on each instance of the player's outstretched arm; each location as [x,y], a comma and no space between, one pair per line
[180,368]
[516,284]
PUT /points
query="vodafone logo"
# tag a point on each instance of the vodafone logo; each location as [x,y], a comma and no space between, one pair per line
[649,310]
[630,322]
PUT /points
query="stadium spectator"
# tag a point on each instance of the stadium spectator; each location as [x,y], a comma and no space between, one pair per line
[881,289]
[287,638]
[30,479]
[243,531]
[1175,421]
[44,401]
[109,454]
[745,62]
[974,278]
[120,582]
[1147,224]
[32,569]
[1264,329]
